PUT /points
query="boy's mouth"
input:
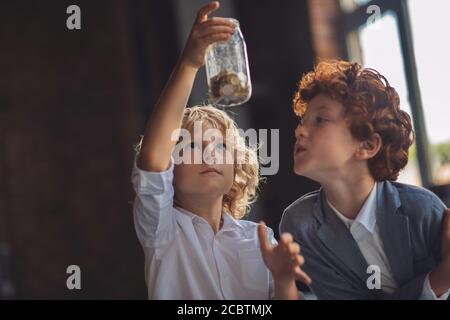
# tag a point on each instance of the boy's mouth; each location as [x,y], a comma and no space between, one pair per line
[211,170]
[299,148]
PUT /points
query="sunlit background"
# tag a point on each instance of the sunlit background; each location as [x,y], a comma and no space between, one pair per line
[380,48]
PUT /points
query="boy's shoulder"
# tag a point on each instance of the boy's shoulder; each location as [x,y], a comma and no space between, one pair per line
[306,201]
[250,228]
[417,201]
[404,188]
[247,224]
[299,213]
[411,195]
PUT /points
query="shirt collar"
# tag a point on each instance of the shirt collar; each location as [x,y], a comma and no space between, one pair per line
[229,223]
[366,216]
[191,215]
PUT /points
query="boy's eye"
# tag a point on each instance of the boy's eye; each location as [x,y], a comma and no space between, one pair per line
[320,120]
[221,146]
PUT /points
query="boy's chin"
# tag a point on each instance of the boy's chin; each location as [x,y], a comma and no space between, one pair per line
[212,188]
[302,171]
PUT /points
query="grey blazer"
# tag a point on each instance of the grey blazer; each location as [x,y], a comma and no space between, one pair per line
[410,223]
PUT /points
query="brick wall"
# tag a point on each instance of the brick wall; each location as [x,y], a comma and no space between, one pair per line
[68,118]
[325,28]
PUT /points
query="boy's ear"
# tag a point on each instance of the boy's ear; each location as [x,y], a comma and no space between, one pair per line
[369,148]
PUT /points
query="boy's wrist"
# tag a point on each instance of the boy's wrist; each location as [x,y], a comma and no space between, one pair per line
[184,64]
[284,283]
[286,290]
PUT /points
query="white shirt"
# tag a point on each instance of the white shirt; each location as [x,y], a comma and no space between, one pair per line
[364,230]
[184,259]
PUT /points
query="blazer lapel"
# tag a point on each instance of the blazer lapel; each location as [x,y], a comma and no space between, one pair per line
[338,239]
[394,232]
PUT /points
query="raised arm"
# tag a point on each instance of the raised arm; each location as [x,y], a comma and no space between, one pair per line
[157,146]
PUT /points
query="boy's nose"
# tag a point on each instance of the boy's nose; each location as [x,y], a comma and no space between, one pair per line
[211,155]
[300,131]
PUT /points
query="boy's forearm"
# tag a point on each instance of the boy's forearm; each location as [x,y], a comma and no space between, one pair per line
[440,278]
[166,117]
[286,291]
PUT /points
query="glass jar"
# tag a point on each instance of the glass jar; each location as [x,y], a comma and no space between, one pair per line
[227,71]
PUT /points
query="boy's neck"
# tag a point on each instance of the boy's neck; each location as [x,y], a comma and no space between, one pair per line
[349,194]
[209,208]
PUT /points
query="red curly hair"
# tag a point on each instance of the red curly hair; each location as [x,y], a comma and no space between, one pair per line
[371,105]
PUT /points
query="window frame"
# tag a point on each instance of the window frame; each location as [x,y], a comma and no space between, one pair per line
[351,22]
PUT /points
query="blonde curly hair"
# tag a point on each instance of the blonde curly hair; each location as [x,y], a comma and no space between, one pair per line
[246,178]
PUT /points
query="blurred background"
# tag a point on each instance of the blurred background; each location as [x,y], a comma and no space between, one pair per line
[73,103]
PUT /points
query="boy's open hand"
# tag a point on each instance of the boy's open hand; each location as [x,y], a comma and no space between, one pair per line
[204,33]
[283,260]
